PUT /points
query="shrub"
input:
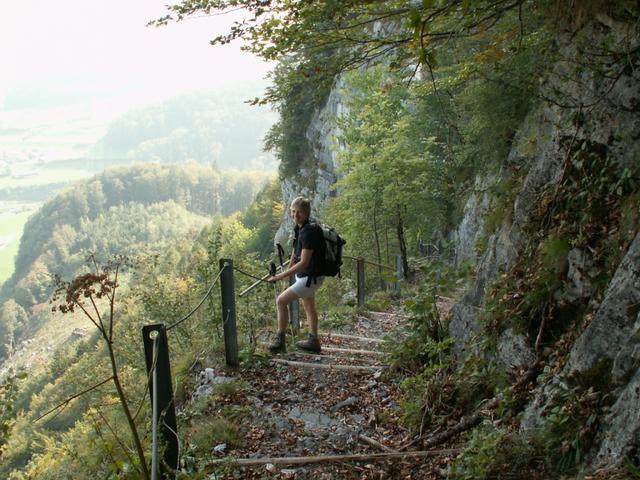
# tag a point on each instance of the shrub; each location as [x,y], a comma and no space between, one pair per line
[572,422]
[493,452]
[208,432]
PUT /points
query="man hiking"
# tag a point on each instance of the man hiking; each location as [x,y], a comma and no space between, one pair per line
[306,242]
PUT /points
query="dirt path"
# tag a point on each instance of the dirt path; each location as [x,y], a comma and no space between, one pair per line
[304,405]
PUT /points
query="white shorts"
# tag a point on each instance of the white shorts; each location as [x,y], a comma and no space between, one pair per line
[300,288]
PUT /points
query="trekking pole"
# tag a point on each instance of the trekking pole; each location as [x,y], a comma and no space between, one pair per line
[272,272]
[280,255]
[258,281]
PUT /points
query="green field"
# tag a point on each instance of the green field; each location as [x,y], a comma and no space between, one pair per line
[10,226]
[45,175]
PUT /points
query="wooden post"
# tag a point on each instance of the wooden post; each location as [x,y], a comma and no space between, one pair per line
[166,414]
[398,272]
[227,291]
[360,280]
[294,310]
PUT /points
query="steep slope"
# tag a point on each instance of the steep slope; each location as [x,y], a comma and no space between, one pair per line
[567,254]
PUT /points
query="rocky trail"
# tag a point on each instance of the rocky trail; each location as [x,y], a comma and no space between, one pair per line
[329,416]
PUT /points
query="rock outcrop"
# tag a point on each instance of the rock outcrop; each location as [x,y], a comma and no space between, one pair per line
[610,344]
[316,182]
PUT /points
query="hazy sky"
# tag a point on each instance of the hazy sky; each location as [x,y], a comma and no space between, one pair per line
[84,62]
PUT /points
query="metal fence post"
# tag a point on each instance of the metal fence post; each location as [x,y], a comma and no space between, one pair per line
[165,413]
[294,310]
[360,281]
[227,291]
[398,272]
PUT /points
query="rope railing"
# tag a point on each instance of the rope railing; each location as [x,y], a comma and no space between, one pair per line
[246,274]
[157,354]
[369,262]
[206,295]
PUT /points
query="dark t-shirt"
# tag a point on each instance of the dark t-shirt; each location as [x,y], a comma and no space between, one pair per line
[307,238]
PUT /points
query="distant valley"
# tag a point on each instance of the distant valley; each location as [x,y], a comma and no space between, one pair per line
[217,129]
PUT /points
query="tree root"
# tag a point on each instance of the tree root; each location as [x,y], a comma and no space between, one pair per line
[470,421]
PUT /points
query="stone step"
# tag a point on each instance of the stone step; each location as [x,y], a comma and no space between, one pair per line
[330,366]
[350,350]
[320,358]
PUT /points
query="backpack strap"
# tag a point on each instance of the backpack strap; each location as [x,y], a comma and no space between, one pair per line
[317,253]
[296,237]
[309,279]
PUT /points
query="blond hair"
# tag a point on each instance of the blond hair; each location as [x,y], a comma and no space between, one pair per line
[303,204]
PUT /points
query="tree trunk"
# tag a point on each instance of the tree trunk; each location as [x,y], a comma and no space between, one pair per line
[377,240]
[402,243]
[386,239]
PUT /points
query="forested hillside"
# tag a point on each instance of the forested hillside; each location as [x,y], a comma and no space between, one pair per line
[219,129]
[123,211]
[170,257]
[493,146]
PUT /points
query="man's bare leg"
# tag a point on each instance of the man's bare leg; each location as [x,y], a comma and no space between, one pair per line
[312,343]
[282,304]
[283,301]
[310,311]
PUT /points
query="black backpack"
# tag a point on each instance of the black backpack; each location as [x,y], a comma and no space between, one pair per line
[328,260]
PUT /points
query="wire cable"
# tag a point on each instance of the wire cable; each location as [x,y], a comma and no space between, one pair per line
[206,295]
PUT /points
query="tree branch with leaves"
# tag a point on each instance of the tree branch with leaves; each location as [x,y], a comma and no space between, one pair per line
[89,293]
[326,37]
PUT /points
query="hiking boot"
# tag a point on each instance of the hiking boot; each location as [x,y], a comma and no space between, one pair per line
[279,345]
[311,344]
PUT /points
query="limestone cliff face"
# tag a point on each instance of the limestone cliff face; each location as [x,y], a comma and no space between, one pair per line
[610,345]
[316,182]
